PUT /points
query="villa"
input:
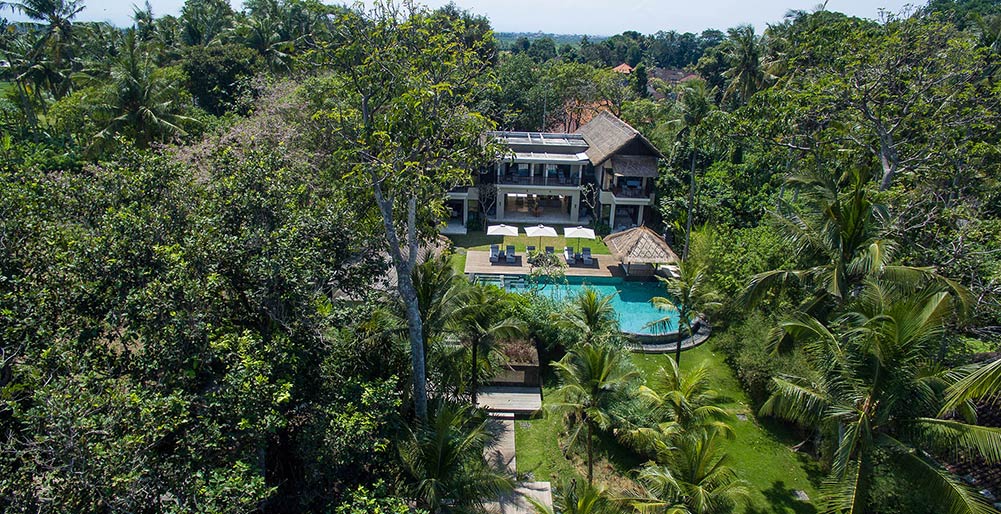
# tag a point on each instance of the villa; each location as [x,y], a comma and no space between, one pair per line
[603,171]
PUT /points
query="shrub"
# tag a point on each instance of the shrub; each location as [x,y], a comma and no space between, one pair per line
[217,74]
[745,344]
[537,312]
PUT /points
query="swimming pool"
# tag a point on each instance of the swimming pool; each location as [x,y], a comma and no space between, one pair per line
[631,300]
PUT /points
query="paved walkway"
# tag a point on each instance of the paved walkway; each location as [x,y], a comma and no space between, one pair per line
[503,403]
[687,343]
[478,262]
[500,452]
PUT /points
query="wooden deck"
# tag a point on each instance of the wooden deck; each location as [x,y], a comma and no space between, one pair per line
[478,262]
[514,400]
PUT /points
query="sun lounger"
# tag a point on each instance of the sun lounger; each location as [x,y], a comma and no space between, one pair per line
[494,253]
[530,253]
[586,256]
[550,250]
[569,256]
[510,256]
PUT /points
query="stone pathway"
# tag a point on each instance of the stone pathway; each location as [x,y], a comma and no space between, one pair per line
[687,343]
[503,403]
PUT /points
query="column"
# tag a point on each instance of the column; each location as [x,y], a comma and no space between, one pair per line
[575,207]
[465,211]
[501,200]
[639,215]
[611,217]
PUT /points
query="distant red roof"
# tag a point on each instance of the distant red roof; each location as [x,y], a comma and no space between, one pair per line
[623,68]
[575,114]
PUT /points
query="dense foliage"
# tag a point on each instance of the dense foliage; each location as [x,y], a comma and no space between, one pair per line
[218,293]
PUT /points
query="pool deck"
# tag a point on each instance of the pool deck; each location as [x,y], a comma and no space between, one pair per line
[478,262]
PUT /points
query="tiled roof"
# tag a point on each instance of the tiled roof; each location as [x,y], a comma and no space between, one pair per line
[623,68]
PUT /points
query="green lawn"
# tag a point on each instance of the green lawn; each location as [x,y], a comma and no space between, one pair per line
[458,260]
[761,451]
[481,241]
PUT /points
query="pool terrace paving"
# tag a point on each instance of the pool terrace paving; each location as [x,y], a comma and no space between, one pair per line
[478,263]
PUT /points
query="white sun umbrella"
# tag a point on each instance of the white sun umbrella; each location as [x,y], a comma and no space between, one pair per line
[579,233]
[540,231]
[502,230]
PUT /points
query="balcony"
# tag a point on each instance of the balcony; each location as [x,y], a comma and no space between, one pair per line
[551,181]
[631,192]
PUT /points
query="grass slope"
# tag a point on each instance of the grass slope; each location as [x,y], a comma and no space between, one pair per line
[761,451]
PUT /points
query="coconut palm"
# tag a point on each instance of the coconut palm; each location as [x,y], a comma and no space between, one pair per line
[689,294]
[481,323]
[573,497]
[57,39]
[590,315]
[31,69]
[264,35]
[843,232]
[444,462]
[140,101]
[745,76]
[878,395]
[980,382]
[593,377]
[440,292]
[694,105]
[685,399]
[203,22]
[693,478]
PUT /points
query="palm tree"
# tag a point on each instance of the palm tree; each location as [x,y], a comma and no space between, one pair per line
[203,22]
[843,231]
[689,294]
[145,21]
[593,378]
[591,316]
[980,382]
[57,39]
[140,101]
[686,400]
[573,497]
[879,395]
[694,105]
[31,69]
[743,50]
[479,322]
[444,462]
[693,478]
[440,293]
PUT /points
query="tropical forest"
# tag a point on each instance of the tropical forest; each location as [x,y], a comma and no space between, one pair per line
[294,256]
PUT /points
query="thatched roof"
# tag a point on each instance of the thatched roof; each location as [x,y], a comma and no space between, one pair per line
[635,165]
[640,245]
[606,135]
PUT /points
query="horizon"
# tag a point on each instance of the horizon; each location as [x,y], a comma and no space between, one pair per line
[586,17]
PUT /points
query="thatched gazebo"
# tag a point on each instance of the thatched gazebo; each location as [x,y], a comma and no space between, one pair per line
[640,250]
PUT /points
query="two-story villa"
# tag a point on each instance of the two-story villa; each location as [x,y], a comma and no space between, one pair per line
[605,170]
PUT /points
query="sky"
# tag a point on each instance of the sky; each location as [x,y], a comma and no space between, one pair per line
[597,17]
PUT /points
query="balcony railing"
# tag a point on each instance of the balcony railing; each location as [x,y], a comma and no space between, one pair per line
[552,180]
[630,192]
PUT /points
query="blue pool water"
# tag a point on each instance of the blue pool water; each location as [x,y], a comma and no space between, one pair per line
[631,301]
